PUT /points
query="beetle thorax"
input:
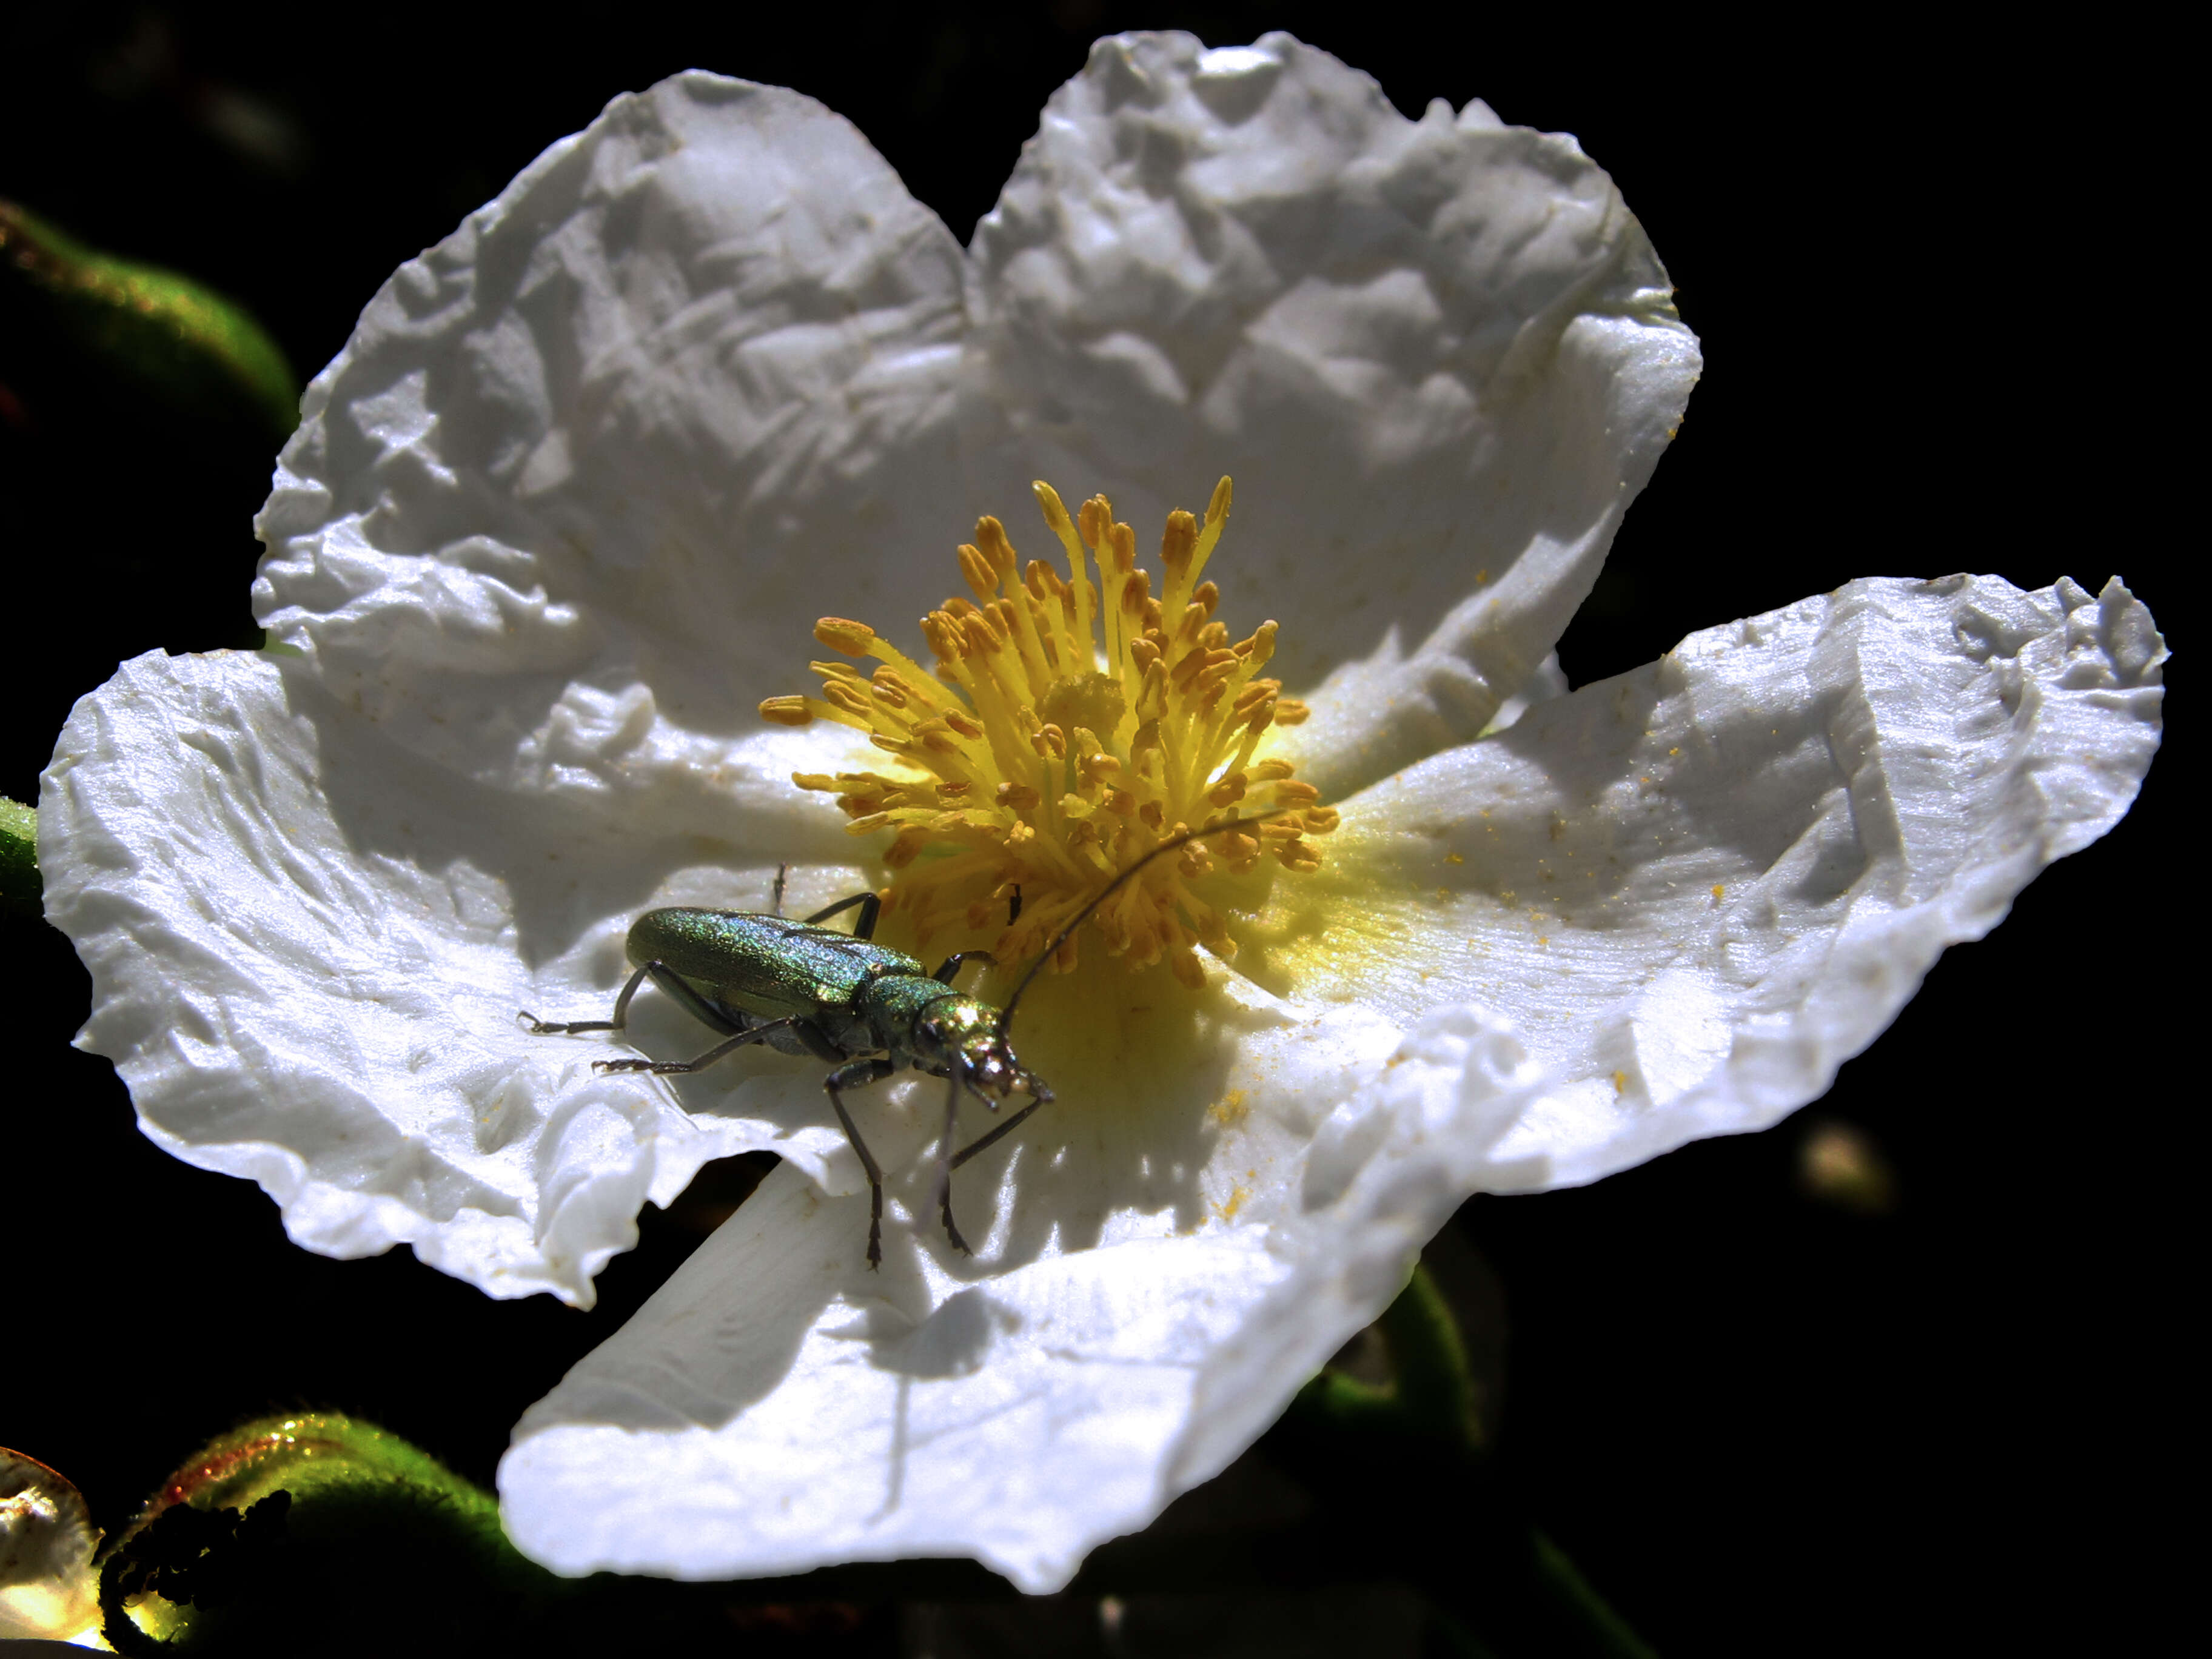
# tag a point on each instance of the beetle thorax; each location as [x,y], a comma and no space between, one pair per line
[939,1031]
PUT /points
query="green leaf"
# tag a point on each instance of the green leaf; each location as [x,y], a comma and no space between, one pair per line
[21,888]
[273,1530]
[1431,1392]
[175,337]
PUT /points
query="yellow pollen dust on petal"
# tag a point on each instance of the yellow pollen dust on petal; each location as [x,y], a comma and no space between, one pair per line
[1074,719]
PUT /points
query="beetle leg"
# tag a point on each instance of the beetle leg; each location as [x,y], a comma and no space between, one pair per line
[865,927]
[983,1142]
[782,871]
[951,966]
[668,980]
[559,1027]
[945,1164]
[872,1069]
[664,1067]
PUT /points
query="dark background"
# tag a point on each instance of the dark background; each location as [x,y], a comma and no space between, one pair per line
[1930,274]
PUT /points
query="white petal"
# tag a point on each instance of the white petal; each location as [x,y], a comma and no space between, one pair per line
[308,951]
[776,1407]
[1697,888]
[1439,358]
[554,520]
[560,513]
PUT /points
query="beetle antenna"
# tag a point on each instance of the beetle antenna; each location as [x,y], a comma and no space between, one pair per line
[1006,1015]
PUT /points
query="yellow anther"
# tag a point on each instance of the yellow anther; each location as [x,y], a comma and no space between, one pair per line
[1074,721]
[991,537]
[1097,517]
[1217,509]
[1049,498]
[1125,549]
[851,638]
[1216,674]
[1152,696]
[982,580]
[1177,542]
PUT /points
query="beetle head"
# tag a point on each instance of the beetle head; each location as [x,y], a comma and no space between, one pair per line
[987,1063]
[962,1036]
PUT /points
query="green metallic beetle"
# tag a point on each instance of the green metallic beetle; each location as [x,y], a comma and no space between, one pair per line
[803,988]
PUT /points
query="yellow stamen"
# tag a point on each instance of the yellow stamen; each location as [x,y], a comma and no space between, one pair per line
[1069,728]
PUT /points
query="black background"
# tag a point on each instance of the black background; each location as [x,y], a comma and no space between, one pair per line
[1932,277]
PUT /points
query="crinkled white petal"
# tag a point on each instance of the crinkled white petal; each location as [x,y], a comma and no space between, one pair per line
[49,1589]
[1697,888]
[307,953]
[561,513]
[1666,906]
[1439,357]
[565,506]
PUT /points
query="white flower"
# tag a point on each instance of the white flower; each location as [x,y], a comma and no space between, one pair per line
[561,515]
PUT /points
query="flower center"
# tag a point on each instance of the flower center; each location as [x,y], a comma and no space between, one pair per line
[1068,728]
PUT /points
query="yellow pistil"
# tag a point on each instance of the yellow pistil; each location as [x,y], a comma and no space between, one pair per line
[1067,728]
